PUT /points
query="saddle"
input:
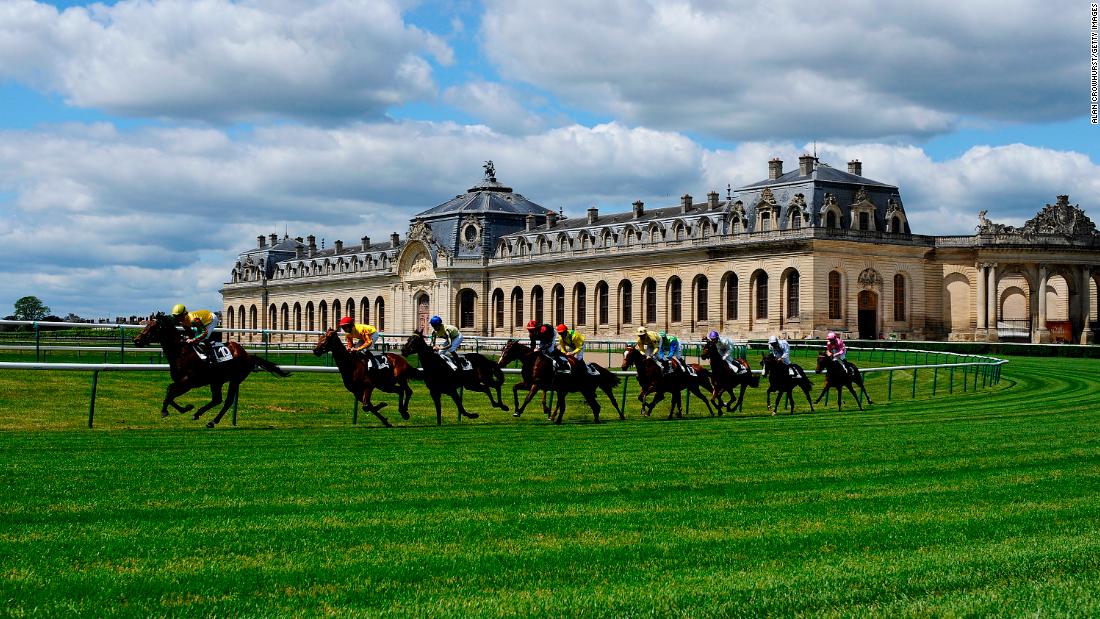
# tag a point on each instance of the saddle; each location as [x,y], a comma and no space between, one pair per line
[464,366]
[686,367]
[592,369]
[796,372]
[735,366]
[376,362]
[560,363]
[221,352]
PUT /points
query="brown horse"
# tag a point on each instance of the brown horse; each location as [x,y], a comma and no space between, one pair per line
[726,379]
[361,379]
[653,380]
[189,371]
[538,374]
[838,377]
[781,380]
[441,378]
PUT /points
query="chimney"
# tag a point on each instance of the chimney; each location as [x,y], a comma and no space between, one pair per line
[685,203]
[274,239]
[262,241]
[712,200]
[593,215]
[366,243]
[312,242]
[339,246]
[775,168]
[639,209]
[855,167]
[805,165]
[298,252]
[299,239]
[530,221]
[395,239]
[551,219]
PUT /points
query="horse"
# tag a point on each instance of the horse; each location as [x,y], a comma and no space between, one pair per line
[538,374]
[781,381]
[837,377]
[188,371]
[441,378]
[653,380]
[725,379]
[361,379]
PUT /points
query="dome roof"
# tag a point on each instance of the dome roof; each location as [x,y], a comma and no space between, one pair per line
[488,196]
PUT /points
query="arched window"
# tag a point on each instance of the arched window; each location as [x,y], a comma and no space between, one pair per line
[536,303]
[895,225]
[558,294]
[336,315]
[626,301]
[517,308]
[830,220]
[309,317]
[240,318]
[701,298]
[322,316]
[285,312]
[675,292]
[253,319]
[731,296]
[649,300]
[230,315]
[899,297]
[364,310]
[761,295]
[349,307]
[271,324]
[297,316]
[498,308]
[601,303]
[834,295]
[792,294]
[380,313]
[466,300]
[580,304]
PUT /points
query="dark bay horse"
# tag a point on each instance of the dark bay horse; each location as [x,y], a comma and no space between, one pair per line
[188,371]
[780,380]
[538,374]
[838,377]
[361,380]
[441,378]
[726,379]
[654,380]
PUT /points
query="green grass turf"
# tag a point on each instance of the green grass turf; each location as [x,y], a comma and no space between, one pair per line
[973,504]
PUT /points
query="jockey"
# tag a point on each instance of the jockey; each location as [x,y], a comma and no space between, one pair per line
[542,336]
[834,346]
[450,334]
[354,331]
[725,348]
[648,342]
[199,326]
[571,342]
[669,347]
[780,349]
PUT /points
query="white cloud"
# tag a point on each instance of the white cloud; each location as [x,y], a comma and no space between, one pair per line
[774,69]
[104,222]
[219,60]
[494,104]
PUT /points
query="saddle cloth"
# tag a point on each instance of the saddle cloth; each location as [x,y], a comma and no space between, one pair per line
[466,365]
[222,352]
[378,362]
[736,366]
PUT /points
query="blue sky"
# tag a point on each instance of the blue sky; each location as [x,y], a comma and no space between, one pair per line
[144,143]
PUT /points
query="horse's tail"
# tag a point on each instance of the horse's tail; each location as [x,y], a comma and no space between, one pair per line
[263,364]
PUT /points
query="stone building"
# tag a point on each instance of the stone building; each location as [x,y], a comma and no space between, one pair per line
[801,252]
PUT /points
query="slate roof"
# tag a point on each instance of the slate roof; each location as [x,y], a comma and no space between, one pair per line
[822,172]
[487,197]
[648,215]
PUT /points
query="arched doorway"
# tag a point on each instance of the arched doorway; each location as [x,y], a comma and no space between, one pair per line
[423,314]
[868,315]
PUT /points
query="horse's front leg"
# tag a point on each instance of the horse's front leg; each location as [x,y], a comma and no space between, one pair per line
[174,390]
[824,390]
[854,395]
[215,399]
[367,406]
[462,409]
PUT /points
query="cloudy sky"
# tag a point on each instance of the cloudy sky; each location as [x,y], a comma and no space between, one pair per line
[144,143]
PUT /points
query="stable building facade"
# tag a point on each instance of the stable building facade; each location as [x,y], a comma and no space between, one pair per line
[800,253]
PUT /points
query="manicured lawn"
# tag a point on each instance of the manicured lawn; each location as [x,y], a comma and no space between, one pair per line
[972,504]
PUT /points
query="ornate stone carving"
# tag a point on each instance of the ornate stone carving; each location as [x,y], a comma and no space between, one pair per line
[490,172]
[1060,218]
[830,200]
[421,267]
[869,278]
[894,207]
[767,197]
[988,227]
[469,232]
[798,201]
[420,231]
[861,196]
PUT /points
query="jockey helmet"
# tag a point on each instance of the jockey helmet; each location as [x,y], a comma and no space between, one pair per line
[662,335]
[773,340]
[179,309]
[831,335]
[642,331]
[436,321]
[713,335]
[562,328]
[347,321]
[531,324]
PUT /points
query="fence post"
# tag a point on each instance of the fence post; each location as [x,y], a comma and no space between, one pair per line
[935,376]
[914,383]
[91,405]
[951,380]
[267,343]
[121,345]
[37,344]
[890,386]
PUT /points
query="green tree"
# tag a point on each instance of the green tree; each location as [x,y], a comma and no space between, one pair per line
[30,308]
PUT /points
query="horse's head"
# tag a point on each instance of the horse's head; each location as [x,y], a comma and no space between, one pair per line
[767,360]
[822,362]
[708,349]
[414,344]
[512,350]
[158,328]
[326,342]
[630,356]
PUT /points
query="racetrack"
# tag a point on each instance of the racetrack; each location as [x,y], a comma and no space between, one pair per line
[978,503]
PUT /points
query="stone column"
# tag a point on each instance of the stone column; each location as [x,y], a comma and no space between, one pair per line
[1041,333]
[992,300]
[1086,305]
[983,300]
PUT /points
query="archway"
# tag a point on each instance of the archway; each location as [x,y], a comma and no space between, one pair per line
[423,313]
[868,314]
